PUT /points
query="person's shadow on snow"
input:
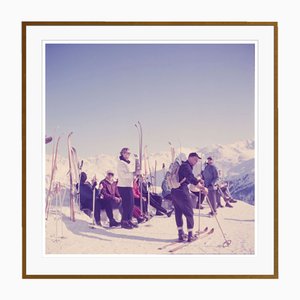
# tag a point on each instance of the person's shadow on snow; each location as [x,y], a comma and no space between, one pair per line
[81,227]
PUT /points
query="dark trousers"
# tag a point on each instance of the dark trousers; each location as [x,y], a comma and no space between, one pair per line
[222,192]
[105,204]
[156,201]
[212,197]
[127,202]
[168,197]
[183,206]
[201,198]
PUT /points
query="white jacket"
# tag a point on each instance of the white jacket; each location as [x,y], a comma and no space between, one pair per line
[125,174]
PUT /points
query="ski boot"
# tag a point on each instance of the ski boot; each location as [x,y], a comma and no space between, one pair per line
[126,225]
[114,223]
[191,237]
[134,225]
[169,213]
[181,236]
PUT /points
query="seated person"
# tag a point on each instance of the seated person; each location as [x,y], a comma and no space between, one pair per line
[223,191]
[194,190]
[86,197]
[202,196]
[155,200]
[137,213]
[136,196]
[109,197]
[166,190]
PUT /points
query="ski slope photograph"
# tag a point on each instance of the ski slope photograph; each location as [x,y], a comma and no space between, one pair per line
[149,149]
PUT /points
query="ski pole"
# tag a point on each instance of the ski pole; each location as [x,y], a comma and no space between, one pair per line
[227,242]
[139,129]
[56,213]
[61,200]
[199,200]
[72,211]
[148,206]
[141,163]
[155,172]
[80,170]
[93,213]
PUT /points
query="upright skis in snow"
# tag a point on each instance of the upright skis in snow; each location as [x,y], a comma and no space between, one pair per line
[72,210]
[53,170]
[77,167]
[140,135]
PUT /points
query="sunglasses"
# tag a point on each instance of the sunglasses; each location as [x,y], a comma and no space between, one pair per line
[110,174]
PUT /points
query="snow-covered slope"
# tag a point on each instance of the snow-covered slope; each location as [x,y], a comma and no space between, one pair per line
[237,223]
[236,162]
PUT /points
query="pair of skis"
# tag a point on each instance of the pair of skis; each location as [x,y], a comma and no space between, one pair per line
[52,176]
[179,245]
[140,135]
[75,169]
[72,200]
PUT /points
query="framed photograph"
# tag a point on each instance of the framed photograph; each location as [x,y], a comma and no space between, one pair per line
[150,150]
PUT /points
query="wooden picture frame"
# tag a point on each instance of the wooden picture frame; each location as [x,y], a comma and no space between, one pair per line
[26,166]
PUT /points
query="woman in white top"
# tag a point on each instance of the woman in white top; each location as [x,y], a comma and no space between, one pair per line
[126,173]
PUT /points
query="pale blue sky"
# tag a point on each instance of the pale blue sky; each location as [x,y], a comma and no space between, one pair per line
[198,93]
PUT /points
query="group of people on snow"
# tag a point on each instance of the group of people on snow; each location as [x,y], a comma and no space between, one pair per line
[127,192]
[124,194]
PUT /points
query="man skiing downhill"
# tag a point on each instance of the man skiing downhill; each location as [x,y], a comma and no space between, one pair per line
[182,199]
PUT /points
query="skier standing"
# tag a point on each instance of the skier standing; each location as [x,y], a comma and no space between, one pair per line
[126,173]
[210,176]
[182,199]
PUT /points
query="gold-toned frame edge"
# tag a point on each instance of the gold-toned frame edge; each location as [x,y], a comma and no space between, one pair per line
[25,24]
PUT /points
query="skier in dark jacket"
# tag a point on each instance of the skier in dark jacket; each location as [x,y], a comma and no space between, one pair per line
[210,176]
[181,196]
[86,197]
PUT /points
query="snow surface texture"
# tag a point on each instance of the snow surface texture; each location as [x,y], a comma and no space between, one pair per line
[236,162]
[79,238]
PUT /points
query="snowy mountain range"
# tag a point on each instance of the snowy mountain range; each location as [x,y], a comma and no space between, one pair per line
[235,162]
